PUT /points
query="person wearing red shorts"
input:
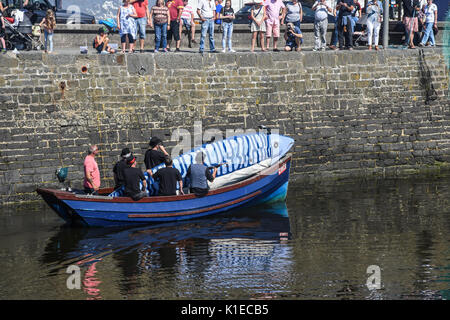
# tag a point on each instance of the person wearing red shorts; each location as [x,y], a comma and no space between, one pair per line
[273,8]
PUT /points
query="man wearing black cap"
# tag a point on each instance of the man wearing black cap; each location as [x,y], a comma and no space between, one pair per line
[155,155]
[119,178]
[133,176]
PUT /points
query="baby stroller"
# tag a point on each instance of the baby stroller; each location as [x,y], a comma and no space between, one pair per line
[20,33]
[360,36]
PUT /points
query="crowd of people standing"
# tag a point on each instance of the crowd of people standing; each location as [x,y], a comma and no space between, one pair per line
[266,18]
[168,17]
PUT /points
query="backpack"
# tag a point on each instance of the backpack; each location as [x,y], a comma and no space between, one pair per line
[110,24]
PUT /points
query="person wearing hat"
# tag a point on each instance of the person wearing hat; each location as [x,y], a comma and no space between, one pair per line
[119,167]
[258,26]
[101,42]
[155,155]
[133,177]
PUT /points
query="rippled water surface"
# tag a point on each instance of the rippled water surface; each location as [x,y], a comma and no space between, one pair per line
[316,246]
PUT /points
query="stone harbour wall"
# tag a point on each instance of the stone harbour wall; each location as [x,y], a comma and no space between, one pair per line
[354,113]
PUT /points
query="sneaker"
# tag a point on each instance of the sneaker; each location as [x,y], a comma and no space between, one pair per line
[323,49]
[155,51]
[3,50]
[224,50]
[177,50]
[213,51]
[231,50]
[315,49]
[421,45]
[166,50]
[332,47]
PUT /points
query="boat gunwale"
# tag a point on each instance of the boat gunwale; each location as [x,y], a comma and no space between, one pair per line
[65,195]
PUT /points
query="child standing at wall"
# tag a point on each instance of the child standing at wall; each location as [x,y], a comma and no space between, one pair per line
[49,24]
[227,16]
[258,16]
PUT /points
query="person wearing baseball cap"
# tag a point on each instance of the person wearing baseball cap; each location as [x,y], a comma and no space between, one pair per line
[133,177]
[119,178]
[155,155]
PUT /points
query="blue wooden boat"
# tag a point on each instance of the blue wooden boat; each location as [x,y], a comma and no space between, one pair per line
[267,185]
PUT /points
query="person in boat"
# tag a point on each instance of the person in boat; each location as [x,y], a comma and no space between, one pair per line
[133,176]
[91,172]
[198,174]
[155,155]
[168,178]
[119,167]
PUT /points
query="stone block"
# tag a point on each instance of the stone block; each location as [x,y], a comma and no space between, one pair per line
[140,65]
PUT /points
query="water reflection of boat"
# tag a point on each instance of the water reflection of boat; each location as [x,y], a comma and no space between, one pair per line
[75,245]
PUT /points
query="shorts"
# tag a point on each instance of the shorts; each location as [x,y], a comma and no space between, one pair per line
[141,24]
[273,27]
[100,47]
[174,31]
[411,24]
[123,38]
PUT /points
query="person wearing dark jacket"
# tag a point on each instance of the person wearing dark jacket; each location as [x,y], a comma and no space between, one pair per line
[155,155]
[345,32]
[121,165]
[133,177]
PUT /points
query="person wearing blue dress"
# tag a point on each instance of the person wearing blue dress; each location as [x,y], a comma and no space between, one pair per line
[127,25]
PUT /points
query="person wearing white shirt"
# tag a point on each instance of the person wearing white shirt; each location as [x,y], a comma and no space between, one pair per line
[206,11]
[321,11]
[430,11]
[374,10]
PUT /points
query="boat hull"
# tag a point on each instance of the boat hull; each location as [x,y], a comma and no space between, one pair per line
[268,186]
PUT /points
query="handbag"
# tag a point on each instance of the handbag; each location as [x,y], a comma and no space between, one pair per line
[435,30]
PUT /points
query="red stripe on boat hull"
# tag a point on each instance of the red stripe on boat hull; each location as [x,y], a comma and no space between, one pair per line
[219,206]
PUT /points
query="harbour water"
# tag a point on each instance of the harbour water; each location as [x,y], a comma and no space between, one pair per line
[319,245]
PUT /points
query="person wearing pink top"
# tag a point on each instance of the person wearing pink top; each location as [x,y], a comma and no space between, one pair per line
[91,172]
[273,8]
